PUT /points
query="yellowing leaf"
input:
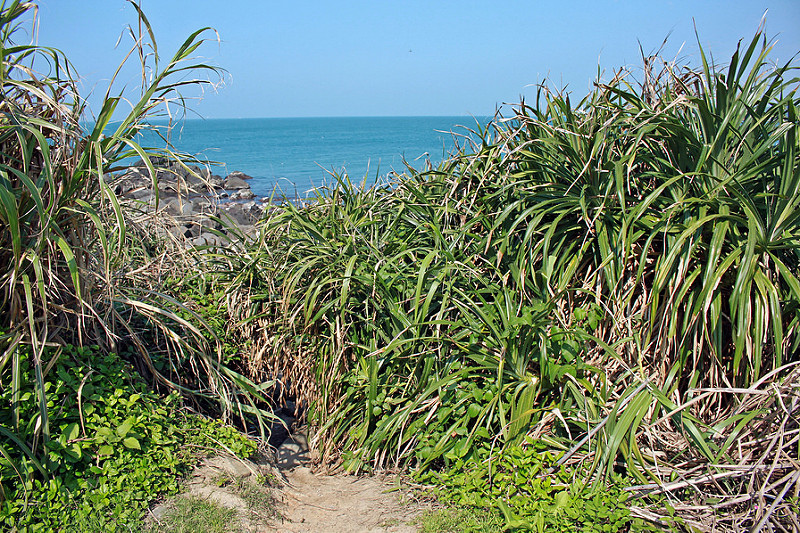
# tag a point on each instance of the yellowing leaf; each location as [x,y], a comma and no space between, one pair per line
[105,450]
[131,443]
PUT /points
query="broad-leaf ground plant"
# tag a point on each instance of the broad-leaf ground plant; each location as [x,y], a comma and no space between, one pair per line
[115,447]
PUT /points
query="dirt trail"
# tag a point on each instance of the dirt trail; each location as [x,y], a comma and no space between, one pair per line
[340,503]
[296,500]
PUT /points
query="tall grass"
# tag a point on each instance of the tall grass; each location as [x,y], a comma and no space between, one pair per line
[615,276]
[69,256]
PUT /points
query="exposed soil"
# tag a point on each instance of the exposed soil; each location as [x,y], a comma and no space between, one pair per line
[347,504]
[297,500]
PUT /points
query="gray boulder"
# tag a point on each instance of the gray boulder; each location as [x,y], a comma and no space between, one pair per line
[181,232]
[202,172]
[248,230]
[242,194]
[233,183]
[207,239]
[175,207]
[245,214]
[203,204]
[131,181]
[168,186]
[240,175]
[200,225]
[143,195]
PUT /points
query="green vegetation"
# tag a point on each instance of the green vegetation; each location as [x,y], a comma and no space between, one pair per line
[615,279]
[525,489]
[83,443]
[76,268]
[453,520]
[115,447]
[587,318]
[190,514]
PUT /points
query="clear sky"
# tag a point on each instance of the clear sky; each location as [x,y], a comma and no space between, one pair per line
[294,58]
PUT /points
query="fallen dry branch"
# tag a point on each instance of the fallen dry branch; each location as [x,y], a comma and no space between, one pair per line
[755,483]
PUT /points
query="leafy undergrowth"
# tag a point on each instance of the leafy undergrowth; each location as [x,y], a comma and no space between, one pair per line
[202,301]
[525,489]
[114,447]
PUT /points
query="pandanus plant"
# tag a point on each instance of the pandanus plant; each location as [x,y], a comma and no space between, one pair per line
[68,256]
[613,276]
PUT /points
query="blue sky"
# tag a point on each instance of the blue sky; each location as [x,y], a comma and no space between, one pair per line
[392,58]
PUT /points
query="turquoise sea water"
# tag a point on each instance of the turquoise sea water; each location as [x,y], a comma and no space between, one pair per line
[298,154]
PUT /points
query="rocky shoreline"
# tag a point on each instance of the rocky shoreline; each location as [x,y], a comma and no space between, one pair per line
[191,202]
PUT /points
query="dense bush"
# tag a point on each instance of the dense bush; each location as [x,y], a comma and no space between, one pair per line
[73,269]
[612,278]
[115,447]
[81,444]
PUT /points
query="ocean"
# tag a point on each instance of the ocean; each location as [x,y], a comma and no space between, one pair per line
[295,155]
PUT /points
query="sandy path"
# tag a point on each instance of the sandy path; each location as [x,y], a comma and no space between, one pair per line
[340,503]
[305,502]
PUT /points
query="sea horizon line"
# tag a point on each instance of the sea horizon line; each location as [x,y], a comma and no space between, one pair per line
[326,117]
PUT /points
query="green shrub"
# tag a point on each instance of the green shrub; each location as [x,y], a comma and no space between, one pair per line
[524,485]
[204,301]
[71,265]
[115,447]
[614,273]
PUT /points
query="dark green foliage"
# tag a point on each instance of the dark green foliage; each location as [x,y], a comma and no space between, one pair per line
[115,447]
[204,302]
[610,275]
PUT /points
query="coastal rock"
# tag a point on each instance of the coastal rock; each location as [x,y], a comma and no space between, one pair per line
[155,161]
[240,175]
[168,175]
[130,182]
[203,203]
[207,239]
[204,173]
[196,207]
[181,232]
[170,206]
[143,195]
[199,225]
[233,183]
[176,207]
[247,229]
[245,214]
[197,185]
[242,194]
